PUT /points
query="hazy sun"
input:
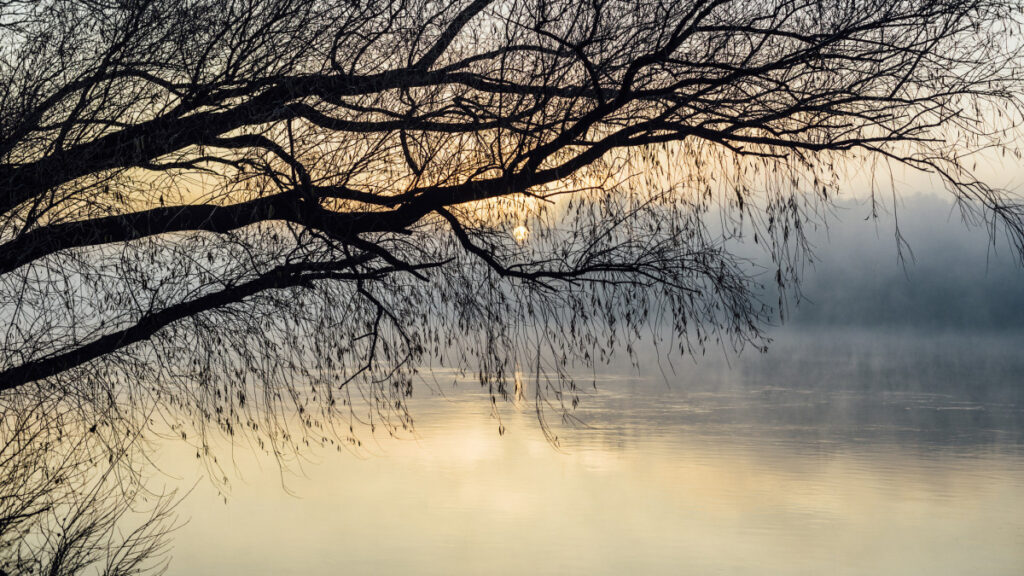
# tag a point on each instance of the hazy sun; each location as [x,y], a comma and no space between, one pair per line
[520,233]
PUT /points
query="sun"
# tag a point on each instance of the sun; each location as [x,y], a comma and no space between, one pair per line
[520,233]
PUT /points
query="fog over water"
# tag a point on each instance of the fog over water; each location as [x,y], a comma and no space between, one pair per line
[882,433]
[953,276]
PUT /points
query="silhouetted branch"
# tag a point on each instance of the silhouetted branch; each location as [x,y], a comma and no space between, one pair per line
[270,206]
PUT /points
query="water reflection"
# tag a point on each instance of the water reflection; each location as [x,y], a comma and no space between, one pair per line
[838,452]
[741,470]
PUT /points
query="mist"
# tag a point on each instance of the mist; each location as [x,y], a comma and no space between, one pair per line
[940,274]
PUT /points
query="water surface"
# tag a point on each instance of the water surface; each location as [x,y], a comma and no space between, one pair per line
[837,453]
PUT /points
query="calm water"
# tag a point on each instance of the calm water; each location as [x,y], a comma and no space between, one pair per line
[860,454]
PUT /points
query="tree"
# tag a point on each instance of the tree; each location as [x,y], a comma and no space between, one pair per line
[73,498]
[239,205]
